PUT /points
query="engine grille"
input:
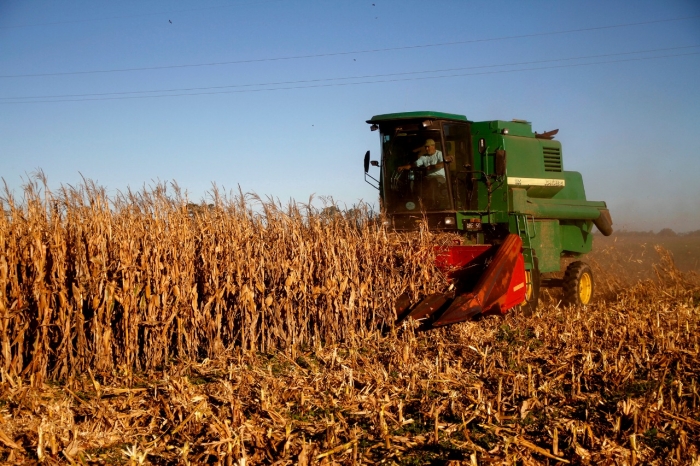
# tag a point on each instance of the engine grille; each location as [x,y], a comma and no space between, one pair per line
[552,159]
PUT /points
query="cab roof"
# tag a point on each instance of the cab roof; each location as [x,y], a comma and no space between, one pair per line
[416,115]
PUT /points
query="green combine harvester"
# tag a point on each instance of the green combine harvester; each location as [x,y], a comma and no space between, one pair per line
[504,188]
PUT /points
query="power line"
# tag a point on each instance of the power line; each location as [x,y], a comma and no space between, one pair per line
[355,52]
[306,81]
[357,83]
[132,16]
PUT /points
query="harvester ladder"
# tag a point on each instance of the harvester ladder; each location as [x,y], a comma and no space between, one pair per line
[523,227]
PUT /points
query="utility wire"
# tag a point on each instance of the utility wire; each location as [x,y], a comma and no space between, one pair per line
[135,16]
[306,81]
[358,82]
[355,52]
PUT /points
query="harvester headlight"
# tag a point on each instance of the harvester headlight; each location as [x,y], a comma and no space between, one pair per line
[449,220]
[504,131]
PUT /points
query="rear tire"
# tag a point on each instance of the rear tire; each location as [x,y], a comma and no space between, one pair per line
[532,290]
[578,285]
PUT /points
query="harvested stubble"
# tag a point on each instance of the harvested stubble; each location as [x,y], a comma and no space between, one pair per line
[616,383]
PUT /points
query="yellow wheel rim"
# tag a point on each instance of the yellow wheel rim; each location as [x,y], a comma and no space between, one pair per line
[528,287]
[585,288]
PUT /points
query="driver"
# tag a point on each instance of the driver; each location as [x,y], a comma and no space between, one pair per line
[431,159]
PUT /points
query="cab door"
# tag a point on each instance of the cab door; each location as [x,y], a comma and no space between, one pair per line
[457,144]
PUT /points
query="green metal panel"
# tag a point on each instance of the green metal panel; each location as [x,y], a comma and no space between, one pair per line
[514,128]
[574,187]
[577,236]
[524,157]
[417,115]
[554,208]
[547,243]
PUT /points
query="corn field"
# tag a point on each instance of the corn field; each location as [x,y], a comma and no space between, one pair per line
[138,329]
[138,281]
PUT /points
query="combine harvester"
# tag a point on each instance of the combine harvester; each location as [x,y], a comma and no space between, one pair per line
[505,190]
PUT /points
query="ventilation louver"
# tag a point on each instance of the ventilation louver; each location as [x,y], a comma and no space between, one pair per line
[552,159]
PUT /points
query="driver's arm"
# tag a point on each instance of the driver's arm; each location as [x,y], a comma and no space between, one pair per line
[434,168]
[440,164]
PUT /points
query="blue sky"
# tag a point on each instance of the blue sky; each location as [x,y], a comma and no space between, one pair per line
[628,114]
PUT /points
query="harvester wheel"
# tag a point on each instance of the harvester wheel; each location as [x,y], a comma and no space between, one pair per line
[532,291]
[578,284]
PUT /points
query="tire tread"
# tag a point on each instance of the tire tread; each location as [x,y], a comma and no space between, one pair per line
[571,282]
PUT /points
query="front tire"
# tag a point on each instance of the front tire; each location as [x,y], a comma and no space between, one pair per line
[578,284]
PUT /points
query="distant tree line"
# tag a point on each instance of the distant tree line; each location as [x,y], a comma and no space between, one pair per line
[667,232]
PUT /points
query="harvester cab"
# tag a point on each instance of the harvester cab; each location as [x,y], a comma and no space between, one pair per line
[505,190]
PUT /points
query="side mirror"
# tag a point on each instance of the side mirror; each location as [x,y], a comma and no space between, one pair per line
[367,175]
[500,162]
[482,146]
